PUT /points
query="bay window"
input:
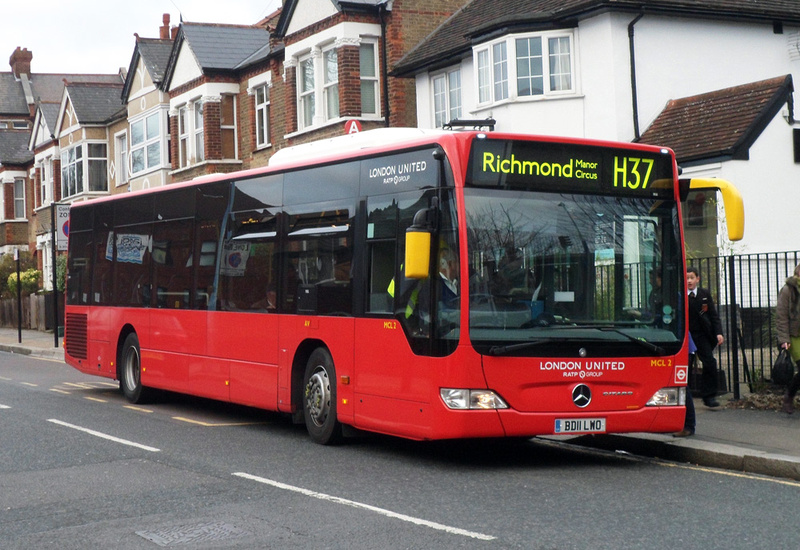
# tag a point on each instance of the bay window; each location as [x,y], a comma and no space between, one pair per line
[446,97]
[318,89]
[146,137]
[542,66]
[84,167]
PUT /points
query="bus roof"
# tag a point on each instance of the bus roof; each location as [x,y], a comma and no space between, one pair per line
[351,143]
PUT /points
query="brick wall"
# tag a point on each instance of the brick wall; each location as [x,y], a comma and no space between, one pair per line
[349,81]
[174,149]
[212,136]
[57,179]
[409,22]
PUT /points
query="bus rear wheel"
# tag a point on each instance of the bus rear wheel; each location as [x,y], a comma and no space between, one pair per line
[130,376]
[319,398]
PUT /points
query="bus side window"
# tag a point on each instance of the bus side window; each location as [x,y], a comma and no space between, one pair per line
[102,281]
[172,263]
[381,249]
[318,261]
[381,276]
[212,202]
[79,270]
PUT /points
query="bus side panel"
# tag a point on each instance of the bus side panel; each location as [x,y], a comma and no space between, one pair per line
[307,332]
[176,347]
[250,342]
[397,392]
[102,331]
[102,336]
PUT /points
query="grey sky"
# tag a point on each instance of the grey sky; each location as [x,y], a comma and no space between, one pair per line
[96,36]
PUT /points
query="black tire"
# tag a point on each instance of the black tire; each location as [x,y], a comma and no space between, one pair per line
[319,398]
[130,371]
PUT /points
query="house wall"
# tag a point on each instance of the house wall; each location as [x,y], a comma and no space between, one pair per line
[143,99]
[768,182]
[674,58]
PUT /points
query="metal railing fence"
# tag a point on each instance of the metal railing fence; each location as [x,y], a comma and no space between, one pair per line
[745,288]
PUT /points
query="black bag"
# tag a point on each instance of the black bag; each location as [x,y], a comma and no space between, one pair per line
[783,369]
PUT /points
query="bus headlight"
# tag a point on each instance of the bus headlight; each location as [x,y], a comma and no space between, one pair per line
[666,397]
[471,399]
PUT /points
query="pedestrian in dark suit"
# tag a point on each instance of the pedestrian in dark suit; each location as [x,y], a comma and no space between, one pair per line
[706,330]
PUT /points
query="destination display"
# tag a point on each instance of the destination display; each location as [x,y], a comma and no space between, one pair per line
[538,166]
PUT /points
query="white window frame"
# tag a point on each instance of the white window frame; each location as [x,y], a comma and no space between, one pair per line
[306,91]
[262,108]
[191,133]
[370,76]
[447,99]
[198,131]
[82,184]
[47,264]
[121,151]
[46,183]
[89,161]
[19,199]
[152,128]
[69,168]
[330,83]
[494,75]
[184,148]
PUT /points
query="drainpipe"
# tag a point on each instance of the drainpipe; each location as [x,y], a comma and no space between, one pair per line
[634,93]
[384,62]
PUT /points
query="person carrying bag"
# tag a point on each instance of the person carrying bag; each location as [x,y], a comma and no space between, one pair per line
[787,323]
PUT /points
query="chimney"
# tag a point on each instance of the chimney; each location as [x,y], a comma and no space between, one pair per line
[163,30]
[20,61]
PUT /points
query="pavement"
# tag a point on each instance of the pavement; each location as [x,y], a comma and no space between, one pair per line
[744,440]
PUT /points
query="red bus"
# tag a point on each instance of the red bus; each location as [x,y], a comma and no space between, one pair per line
[421,284]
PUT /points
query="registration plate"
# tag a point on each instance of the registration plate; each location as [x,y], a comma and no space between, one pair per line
[580,425]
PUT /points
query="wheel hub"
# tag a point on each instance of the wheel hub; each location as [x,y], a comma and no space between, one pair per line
[318,396]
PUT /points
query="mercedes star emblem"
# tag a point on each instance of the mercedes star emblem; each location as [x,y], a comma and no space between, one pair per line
[581,395]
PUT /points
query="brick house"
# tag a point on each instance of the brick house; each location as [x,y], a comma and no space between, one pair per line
[142,149]
[30,162]
[210,76]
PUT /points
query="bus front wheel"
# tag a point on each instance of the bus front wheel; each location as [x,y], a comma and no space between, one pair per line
[319,398]
[130,378]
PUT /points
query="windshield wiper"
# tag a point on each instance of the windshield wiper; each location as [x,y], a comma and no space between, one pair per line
[502,350]
[658,350]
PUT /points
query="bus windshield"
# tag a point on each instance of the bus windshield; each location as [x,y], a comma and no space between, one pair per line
[546,268]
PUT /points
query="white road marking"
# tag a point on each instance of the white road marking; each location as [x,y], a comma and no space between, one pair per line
[4,407]
[104,436]
[381,511]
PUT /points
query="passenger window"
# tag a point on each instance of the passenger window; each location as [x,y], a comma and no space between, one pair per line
[319,255]
[172,263]
[381,247]
[247,268]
